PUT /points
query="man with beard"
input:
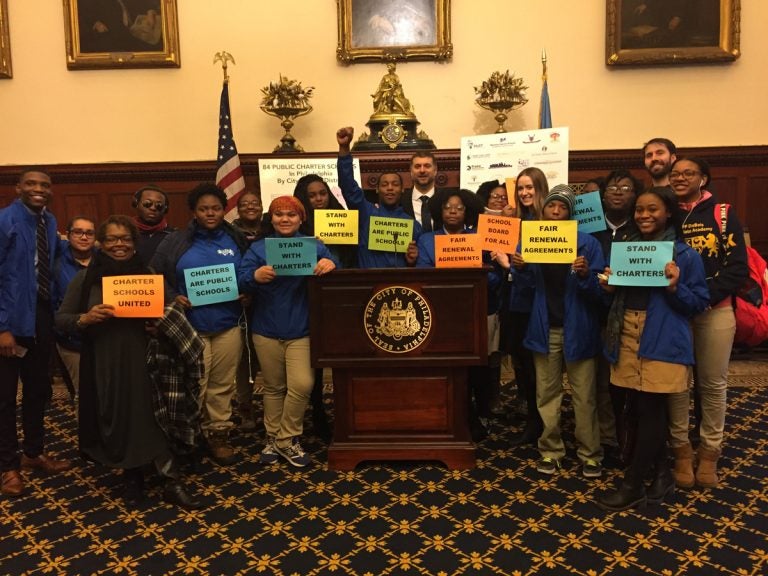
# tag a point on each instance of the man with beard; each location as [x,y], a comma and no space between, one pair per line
[414,201]
[658,156]
[151,204]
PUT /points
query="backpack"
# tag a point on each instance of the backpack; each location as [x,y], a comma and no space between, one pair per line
[750,304]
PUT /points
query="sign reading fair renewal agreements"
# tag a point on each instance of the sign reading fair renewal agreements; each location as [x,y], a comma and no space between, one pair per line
[588,212]
[292,256]
[278,176]
[640,263]
[502,156]
[549,241]
[211,284]
[139,296]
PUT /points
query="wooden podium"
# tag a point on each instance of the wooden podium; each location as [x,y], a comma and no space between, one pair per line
[399,341]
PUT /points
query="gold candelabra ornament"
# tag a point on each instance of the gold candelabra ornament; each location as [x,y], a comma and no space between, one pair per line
[501,94]
[287,100]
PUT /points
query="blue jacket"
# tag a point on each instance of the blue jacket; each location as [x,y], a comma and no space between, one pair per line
[426,259]
[192,248]
[355,198]
[18,279]
[280,307]
[64,270]
[583,300]
[667,333]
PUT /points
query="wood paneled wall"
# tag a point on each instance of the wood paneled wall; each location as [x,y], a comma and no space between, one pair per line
[740,177]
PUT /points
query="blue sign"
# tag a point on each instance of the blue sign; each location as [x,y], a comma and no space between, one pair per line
[588,212]
[292,256]
[640,263]
[211,284]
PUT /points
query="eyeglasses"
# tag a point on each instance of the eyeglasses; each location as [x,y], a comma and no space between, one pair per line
[83,233]
[497,197]
[687,174]
[150,203]
[254,204]
[449,207]
[623,189]
[118,240]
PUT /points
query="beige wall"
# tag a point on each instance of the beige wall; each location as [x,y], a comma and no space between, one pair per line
[51,115]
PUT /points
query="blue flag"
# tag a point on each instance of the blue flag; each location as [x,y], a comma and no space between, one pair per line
[545,113]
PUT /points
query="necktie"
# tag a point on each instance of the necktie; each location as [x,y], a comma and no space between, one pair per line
[43,261]
[426,220]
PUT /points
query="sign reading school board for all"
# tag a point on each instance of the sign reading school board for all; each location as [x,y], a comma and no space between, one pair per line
[390,234]
[138,296]
[549,241]
[211,284]
[336,226]
[498,233]
[588,212]
[458,251]
[640,263]
[292,256]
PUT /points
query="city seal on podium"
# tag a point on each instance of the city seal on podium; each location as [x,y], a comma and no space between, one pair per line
[397,319]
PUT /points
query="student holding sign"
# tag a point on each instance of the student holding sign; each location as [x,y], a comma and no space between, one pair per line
[199,264]
[564,328]
[280,332]
[390,189]
[650,347]
[118,426]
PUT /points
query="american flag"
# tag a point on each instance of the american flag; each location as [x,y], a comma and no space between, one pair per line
[229,174]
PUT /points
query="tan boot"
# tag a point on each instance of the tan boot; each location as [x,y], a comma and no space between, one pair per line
[706,473]
[683,471]
[219,448]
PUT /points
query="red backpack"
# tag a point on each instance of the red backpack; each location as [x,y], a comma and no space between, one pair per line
[751,302]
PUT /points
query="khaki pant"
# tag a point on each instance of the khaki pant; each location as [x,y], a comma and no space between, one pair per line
[713,333]
[549,398]
[221,357]
[288,381]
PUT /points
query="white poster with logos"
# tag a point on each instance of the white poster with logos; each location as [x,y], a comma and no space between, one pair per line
[502,156]
[278,176]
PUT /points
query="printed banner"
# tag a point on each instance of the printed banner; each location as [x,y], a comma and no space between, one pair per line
[336,226]
[498,233]
[390,234]
[549,241]
[640,263]
[292,256]
[139,296]
[211,284]
[458,251]
[278,176]
[588,212]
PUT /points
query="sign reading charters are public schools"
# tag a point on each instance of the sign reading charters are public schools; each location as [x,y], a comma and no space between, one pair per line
[336,226]
[295,256]
[549,241]
[390,234]
[211,284]
[640,263]
[137,296]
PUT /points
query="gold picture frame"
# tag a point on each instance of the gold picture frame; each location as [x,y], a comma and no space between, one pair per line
[647,32]
[128,34]
[6,70]
[375,31]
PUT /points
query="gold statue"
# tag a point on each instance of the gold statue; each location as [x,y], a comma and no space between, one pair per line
[390,99]
[501,93]
[286,100]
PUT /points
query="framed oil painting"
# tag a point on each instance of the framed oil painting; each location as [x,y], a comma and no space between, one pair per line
[121,33]
[649,32]
[5,42]
[372,30]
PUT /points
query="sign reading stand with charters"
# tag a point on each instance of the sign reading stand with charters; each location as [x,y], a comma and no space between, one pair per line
[139,296]
[549,241]
[458,251]
[211,284]
[336,226]
[390,234]
[292,256]
[640,263]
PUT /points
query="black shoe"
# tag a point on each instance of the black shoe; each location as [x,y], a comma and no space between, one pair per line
[524,438]
[663,485]
[175,492]
[477,431]
[626,497]
[320,425]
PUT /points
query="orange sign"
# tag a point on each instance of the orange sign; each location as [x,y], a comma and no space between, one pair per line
[498,233]
[512,191]
[140,296]
[458,251]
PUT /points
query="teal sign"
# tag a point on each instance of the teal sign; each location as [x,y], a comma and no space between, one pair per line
[640,263]
[211,284]
[292,256]
[588,212]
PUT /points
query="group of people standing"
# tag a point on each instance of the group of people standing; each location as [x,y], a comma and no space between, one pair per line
[151,391]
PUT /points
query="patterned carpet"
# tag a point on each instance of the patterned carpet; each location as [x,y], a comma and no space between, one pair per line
[411,519]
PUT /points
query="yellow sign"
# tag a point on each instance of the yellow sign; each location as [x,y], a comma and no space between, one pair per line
[549,241]
[458,251]
[498,233]
[390,234]
[135,296]
[336,226]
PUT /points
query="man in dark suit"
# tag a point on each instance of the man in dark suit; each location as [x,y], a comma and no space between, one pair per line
[414,201]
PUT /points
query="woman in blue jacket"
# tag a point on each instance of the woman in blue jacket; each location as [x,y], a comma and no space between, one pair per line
[650,346]
[280,332]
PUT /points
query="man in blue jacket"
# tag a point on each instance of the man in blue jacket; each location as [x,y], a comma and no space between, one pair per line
[28,243]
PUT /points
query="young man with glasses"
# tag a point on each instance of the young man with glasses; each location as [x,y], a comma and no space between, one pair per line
[151,204]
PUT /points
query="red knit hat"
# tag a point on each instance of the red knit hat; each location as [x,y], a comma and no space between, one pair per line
[288,203]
